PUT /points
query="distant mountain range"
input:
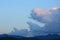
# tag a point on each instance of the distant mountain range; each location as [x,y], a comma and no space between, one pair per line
[14,37]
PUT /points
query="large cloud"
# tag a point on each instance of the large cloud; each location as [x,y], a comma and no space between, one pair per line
[50,17]
[41,15]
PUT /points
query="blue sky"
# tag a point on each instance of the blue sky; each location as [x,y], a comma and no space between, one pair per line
[15,13]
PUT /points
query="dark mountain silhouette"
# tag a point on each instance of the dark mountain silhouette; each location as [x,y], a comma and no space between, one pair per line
[14,37]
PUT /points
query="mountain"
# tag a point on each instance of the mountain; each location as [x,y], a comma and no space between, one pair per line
[14,37]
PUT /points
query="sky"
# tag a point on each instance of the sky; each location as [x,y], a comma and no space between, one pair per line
[15,13]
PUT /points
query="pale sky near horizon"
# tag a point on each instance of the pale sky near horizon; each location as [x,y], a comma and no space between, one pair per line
[15,13]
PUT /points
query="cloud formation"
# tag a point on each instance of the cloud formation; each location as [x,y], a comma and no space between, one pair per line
[39,11]
[50,17]
[41,15]
[54,9]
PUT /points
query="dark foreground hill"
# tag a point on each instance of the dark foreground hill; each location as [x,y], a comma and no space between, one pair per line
[46,37]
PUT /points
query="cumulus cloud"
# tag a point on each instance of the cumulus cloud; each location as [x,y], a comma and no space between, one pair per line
[41,15]
[50,17]
[45,15]
[39,11]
